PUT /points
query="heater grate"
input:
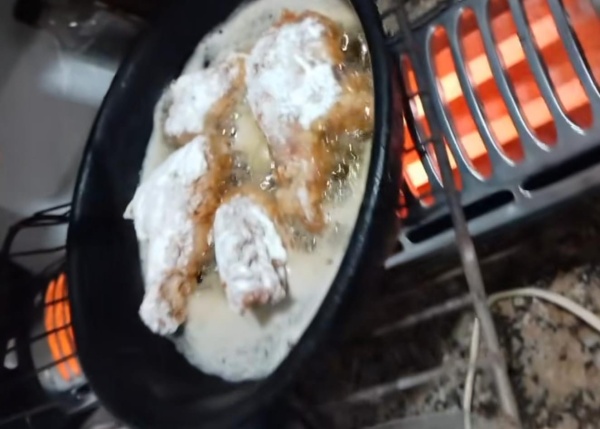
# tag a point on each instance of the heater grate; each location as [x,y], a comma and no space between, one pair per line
[513,86]
[58,329]
[40,377]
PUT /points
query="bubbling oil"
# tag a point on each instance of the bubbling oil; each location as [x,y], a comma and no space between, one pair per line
[247,347]
[253,163]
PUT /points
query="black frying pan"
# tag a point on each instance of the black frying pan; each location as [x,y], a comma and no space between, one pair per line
[139,376]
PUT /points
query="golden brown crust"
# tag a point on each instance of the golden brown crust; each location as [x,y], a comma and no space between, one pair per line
[353,113]
[219,118]
[304,164]
[269,203]
[294,180]
[211,189]
[175,290]
[333,34]
[262,198]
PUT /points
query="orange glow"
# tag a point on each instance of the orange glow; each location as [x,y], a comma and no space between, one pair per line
[57,321]
[567,86]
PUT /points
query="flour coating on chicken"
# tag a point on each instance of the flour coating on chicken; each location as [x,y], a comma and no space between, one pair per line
[290,76]
[295,82]
[203,101]
[251,257]
[172,213]
[283,106]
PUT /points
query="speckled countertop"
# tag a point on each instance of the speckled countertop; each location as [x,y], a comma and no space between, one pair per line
[554,359]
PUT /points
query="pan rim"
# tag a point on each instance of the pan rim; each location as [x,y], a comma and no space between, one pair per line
[382,176]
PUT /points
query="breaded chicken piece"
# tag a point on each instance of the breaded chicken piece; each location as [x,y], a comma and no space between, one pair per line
[353,112]
[203,102]
[173,212]
[301,95]
[250,253]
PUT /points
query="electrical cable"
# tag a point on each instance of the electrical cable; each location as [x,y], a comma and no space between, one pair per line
[560,301]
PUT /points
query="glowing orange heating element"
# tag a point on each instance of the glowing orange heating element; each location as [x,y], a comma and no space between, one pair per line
[567,87]
[57,322]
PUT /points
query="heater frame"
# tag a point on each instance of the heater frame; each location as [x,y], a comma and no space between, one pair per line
[565,170]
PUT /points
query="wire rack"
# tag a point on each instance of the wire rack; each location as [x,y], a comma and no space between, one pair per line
[40,374]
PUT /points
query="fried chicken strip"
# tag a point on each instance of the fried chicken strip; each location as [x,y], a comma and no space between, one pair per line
[301,96]
[173,211]
[203,102]
[250,253]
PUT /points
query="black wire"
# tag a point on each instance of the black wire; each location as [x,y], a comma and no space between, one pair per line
[42,218]
[41,223]
[37,252]
[54,267]
[28,413]
[52,209]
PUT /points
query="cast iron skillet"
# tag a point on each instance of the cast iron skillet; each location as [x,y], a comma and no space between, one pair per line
[139,376]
